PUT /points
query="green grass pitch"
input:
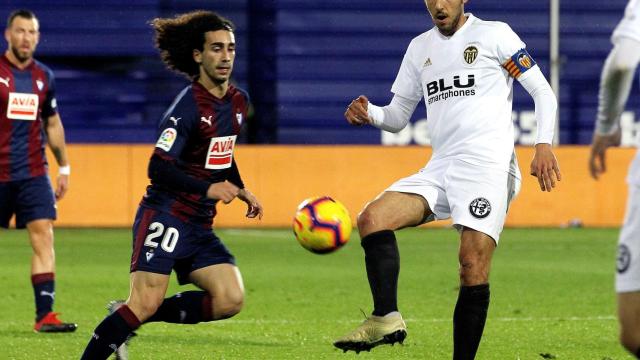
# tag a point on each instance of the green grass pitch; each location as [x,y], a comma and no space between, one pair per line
[552,297]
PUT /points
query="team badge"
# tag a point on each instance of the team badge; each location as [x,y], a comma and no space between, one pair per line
[470,54]
[239,118]
[149,255]
[519,63]
[524,60]
[480,208]
[220,153]
[167,138]
[39,84]
[624,258]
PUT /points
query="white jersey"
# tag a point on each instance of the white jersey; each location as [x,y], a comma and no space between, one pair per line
[467,83]
[630,24]
[629,27]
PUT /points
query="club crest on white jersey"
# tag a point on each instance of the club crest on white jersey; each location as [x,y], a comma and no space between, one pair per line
[220,153]
[22,106]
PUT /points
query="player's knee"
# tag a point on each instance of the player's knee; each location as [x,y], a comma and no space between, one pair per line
[229,305]
[144,308]
[368,222]
[473,270]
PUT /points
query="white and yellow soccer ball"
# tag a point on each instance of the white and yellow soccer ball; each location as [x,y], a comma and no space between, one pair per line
[322,224]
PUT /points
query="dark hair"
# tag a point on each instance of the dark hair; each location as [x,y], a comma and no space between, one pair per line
[177,37]
[23,13]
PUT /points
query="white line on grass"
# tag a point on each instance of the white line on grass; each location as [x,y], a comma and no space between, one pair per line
[502,319]
[257,233]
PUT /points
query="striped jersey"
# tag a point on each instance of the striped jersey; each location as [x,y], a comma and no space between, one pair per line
[467,84]
[197,133]
[27,98]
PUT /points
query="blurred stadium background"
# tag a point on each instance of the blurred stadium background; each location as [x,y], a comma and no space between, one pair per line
[300,60]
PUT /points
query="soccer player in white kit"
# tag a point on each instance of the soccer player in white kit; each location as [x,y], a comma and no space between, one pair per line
[464,68]
[615,86]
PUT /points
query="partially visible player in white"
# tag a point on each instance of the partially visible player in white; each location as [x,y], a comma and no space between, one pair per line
[615,86]
[464,69]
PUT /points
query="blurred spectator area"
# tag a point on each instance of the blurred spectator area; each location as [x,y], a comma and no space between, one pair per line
[302,61]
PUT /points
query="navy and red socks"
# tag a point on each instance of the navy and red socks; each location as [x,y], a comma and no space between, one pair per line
[110,334]
[44,293]
[382,260]
[468,320]
[189,307]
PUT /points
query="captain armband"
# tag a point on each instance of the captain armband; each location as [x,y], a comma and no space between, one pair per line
[519,63]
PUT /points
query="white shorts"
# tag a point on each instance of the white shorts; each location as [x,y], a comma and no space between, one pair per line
[473,196]
[628,262]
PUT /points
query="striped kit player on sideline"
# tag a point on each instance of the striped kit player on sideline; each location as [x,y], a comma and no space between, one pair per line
[615,86]
[29,119]
[464,68]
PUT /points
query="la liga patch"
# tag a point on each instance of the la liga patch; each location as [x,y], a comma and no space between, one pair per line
[167,138]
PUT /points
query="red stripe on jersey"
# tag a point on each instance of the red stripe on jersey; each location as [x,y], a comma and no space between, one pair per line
[6,128]
[140,236]
[238,106]
[37,160]
[5,148]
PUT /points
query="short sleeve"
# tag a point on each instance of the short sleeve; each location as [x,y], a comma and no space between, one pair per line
[174,131]
[512,53]
[50,105]
[407,83]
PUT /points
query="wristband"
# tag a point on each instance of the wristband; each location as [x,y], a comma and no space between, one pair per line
[64,170]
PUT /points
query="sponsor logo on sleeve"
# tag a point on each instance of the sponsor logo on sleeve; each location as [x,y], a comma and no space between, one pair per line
[167,138]
[220,153]
[22,106]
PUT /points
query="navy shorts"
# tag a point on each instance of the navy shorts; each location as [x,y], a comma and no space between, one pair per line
[29,199]
[162,242]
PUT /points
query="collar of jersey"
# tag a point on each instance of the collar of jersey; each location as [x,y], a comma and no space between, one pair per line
[470,19]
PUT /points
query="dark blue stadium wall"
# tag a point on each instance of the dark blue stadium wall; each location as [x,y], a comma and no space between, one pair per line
[302,61]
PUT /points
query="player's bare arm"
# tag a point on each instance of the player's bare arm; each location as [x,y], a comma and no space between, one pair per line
[597,156]
[545,167]
[224,191]
[254,208]
[357,111]
[55,138]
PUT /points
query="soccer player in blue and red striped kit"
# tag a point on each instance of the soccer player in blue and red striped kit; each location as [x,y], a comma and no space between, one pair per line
[28,120]
[191,169]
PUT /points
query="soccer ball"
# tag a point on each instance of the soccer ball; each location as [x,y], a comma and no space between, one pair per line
[322,224]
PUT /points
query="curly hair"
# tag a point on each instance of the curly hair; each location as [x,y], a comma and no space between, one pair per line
[177,37]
